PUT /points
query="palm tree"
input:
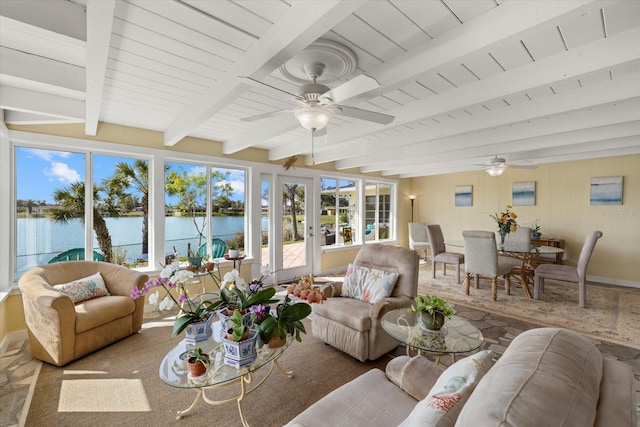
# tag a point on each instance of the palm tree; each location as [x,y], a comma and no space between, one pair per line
[289,194]
[70,201]
[136,176]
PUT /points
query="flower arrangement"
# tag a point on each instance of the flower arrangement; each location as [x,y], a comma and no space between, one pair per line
[304,290]
[236,295]
[506,222]
[173,278]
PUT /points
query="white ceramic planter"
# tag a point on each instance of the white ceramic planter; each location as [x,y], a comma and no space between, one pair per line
[241,353]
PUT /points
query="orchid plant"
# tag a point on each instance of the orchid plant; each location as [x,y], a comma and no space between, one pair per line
[235,293]
[172,278]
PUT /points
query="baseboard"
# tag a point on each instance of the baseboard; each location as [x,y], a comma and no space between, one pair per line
[616,282]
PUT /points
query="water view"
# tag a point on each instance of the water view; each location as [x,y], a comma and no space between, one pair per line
[40,239]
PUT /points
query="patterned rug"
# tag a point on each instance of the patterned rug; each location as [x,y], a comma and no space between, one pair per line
[612,313]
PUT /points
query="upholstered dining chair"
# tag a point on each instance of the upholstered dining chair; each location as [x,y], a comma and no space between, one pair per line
[481,260]
[520,238]
[439,251]
[567,273]
[418,237]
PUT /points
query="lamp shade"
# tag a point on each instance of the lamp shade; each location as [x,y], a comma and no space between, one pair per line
[496,170]
[313,117]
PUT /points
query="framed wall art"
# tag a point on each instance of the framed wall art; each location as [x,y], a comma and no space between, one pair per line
[606,190]
[464,195]
[523,193]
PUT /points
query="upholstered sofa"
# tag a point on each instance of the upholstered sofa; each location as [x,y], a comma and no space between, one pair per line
[546,377]
[61,331]
[352,322]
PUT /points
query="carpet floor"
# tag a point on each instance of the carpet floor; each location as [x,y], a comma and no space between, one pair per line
[119,385]
[612,313]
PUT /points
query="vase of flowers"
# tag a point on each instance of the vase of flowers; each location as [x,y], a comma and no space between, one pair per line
[433,310]
[173,279]
[506,222]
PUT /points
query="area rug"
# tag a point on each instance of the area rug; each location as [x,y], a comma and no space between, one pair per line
[611,314]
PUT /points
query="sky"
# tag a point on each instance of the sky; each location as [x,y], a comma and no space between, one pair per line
[40,172]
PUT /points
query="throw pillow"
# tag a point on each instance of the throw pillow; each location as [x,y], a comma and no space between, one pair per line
[448,395]
[84,289]
[368,284]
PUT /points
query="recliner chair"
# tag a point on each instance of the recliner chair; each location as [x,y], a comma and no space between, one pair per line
[352,325]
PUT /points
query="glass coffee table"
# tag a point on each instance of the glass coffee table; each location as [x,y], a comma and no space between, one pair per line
[457,336]
[174,372]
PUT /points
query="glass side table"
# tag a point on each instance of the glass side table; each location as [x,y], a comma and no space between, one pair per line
[174,372]
[457,336]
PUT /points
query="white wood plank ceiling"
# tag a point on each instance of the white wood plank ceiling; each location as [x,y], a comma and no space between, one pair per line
[530,81]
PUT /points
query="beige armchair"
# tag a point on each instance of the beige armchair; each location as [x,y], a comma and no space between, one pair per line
[352,325]
[61,331]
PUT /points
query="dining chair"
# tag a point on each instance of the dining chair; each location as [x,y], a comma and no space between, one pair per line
[567,273]
[519,238]
[418,237]
[481,260]
[439,252]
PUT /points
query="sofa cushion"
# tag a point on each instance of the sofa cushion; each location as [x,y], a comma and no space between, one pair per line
[448,395]
[415,375]
[616,406]
[99,311]
[367,283]
[547,376]
[369,400]
[349,312]
[84,289]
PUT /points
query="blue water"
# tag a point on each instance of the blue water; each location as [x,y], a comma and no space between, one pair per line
[40,239]
[523,197]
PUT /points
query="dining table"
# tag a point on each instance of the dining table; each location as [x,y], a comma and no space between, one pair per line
[521,251]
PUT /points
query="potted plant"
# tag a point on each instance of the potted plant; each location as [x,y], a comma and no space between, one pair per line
[433,310]
[287,318]
[209,264]
[239,342]
[535,232]
[198,362]
[232,245]
[195,318]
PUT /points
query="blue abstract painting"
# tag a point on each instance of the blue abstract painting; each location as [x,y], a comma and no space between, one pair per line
[523,193]
[606,190]
[464,195]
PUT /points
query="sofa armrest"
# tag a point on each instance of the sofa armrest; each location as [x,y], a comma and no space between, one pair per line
[616,404]
[387,304]
[415,375]
[121,280]
[45,311]
[331,289]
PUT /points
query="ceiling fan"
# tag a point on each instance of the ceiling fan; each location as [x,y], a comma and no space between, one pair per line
[497,165]
[319,103]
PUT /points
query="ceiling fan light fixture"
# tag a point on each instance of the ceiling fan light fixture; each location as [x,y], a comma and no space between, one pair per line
[496,170]
[313,117]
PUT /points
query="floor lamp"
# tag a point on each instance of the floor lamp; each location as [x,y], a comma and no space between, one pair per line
[412,198]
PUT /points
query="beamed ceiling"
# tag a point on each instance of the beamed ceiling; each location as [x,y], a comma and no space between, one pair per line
[531,81]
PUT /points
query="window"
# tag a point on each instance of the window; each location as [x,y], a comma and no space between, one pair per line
[51,223]
[378,210]
[196,192]
[338,204]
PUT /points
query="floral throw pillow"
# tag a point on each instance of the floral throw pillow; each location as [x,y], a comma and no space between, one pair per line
[368,284]
[84,289]
[448,395]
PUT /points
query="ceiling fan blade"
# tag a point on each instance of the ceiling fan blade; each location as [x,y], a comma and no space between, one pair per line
[354,87]
[371,116]
[257,83]
[264,115]
[523,166]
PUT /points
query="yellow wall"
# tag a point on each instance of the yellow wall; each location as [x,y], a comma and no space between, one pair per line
[11,315]
[562,209]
